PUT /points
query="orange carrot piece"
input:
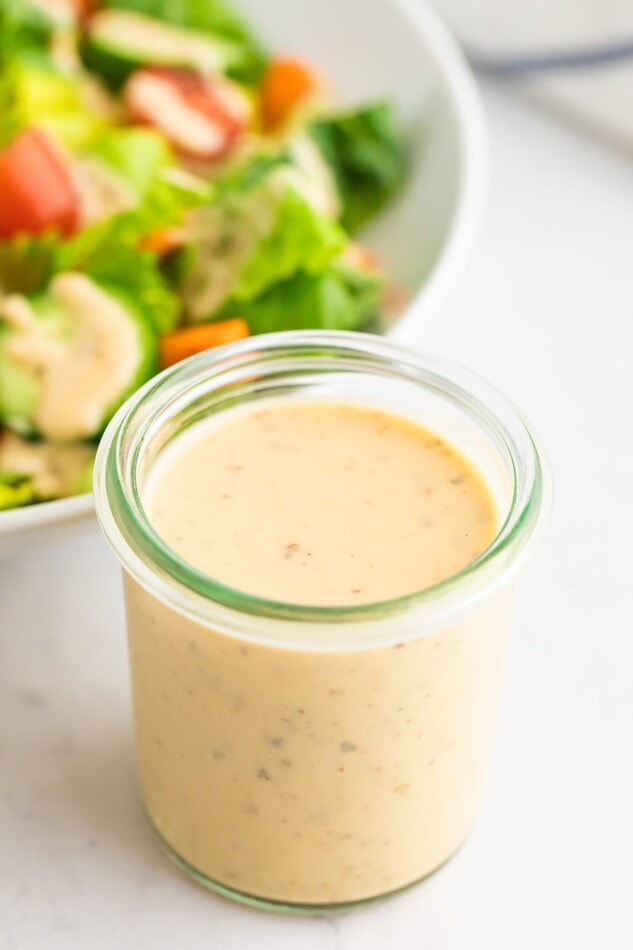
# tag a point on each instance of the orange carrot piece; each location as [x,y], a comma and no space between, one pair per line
[161,242]
[84,8]
[286,83]
[178,345]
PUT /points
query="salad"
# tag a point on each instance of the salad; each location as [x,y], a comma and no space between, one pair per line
[166,186]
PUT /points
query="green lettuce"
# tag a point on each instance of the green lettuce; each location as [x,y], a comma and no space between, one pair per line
[366,153]
[207,16]
[128,270]
[260,229]
[164,205]
[32,92]
[341,298]
[301,239]
[27,262]
[136,274]
[70,467]
[137,156]
[22,27]
[16,491]
[163,196]
[132,271]
[108,251]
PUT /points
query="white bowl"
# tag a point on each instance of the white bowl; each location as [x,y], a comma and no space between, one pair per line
[400,50]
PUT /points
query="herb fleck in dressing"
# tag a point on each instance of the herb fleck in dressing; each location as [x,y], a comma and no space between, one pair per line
[315,777]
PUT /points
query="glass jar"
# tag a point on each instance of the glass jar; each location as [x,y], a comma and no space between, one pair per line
[310,758]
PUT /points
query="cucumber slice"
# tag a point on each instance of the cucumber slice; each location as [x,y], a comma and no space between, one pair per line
[69,358]
[19,391]
[119,41]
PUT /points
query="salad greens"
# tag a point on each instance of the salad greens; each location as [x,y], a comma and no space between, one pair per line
[138,156]
[23,26]
[260,230]
[160,171]
[135,274]
[27,262]
[364,150]
[16,491]
[340,298]
[33,92]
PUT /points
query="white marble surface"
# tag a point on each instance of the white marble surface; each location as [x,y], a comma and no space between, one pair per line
[545,311]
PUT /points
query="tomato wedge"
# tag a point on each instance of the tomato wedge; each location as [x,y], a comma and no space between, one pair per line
[36,188]
[201,116]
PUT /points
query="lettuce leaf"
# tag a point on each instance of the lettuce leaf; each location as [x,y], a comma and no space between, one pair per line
[127,269]
[108,250]
[27,265]
[32,92]
[16,491]
[341,298]
[301,239]
[136,274]
[248,174]
[22,27]
[164,204]
[260,229]
[27,262]
[207,16]
[33,471]
[366,153]
[135,155]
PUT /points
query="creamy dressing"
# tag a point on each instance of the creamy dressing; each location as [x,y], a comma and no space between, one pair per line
[100,191]
[300,775]
[320,504]
[226,236]
[80,376]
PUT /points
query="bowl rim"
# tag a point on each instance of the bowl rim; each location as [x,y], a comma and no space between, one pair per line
[474,171]
[467,214]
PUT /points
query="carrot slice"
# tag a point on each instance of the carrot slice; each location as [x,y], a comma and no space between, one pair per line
[84,8]
[162,242]
[286,83]
[178,345]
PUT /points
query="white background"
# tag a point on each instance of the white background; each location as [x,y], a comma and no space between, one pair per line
[545,310]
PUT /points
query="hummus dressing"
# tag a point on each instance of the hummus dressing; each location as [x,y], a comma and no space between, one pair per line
[315,776]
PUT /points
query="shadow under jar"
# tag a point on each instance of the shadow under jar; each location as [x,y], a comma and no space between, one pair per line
[307,758]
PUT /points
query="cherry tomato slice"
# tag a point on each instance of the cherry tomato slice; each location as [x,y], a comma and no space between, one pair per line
[36,188]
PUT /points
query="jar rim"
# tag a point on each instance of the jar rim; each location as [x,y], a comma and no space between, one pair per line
[174,581]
